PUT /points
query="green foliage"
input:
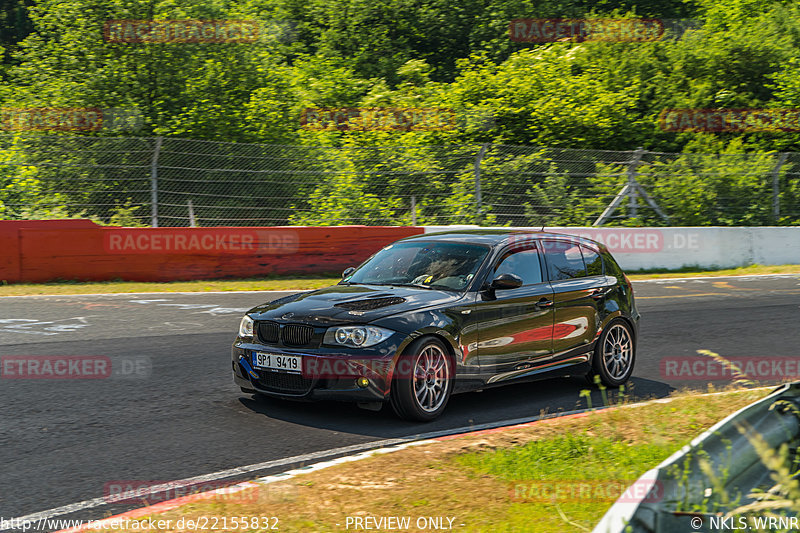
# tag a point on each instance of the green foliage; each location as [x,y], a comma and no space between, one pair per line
[429,54]
[725,190]
[399,53]
[344,200]
[23,195]
[125,215]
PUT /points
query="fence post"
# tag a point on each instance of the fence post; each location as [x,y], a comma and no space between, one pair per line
[154,183]
[478,199]
[413,210]
[776,173]
[192,221]
[633,184]
[626,190]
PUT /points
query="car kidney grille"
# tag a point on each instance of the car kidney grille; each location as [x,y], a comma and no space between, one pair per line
[268,332]
[296,334]
[284,382]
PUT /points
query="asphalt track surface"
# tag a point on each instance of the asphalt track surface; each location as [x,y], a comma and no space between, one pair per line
[171,411]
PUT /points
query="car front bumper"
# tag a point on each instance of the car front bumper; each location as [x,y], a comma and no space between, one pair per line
[327,375]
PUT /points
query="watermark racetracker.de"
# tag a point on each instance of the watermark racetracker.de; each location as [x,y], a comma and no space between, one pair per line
[596,29]
[181,31]
[730,120]
[570,490]
[394,119]
[386,119]
[630,240]
[199,240]
[70,119]
[628,30]
[696,368]
[154,491]
[74,367]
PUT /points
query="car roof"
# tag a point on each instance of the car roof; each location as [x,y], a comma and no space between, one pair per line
[496,237]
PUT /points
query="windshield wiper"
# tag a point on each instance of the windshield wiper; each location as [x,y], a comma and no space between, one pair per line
[417,285]
[432,287]
[443,288]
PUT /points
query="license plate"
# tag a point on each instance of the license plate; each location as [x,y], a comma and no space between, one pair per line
[274,361]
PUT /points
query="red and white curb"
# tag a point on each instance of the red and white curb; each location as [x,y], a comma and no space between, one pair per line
[169,505]
[374,448]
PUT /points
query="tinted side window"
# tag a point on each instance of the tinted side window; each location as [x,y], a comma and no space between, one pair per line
[522,263]
[593,262]
[564,260]
[612,268]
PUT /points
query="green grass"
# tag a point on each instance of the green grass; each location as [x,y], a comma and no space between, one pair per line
[272,283]
[493,481]
[303,282]
[695,271]
[600,458]
[580,474]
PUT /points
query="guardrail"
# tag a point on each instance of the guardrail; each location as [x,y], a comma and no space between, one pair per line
[713,483]
[677,247]
[46,250]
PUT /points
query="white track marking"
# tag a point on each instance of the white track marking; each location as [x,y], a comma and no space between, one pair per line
[163,293]
[378,446]
[200,293]
[48,327]
[242,470]
[711,278]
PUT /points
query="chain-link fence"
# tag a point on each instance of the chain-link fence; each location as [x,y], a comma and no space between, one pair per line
[182,182]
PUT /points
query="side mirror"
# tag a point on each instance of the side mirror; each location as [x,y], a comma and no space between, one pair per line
[348,271]
[506,281]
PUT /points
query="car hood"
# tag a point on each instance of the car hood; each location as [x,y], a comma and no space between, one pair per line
[350,304]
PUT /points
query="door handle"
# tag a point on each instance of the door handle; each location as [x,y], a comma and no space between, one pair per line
[544,302]
[598,293]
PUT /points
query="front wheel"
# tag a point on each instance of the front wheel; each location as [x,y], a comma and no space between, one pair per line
[614,354]
[423,381]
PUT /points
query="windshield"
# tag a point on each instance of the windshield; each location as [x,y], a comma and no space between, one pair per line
[437,265]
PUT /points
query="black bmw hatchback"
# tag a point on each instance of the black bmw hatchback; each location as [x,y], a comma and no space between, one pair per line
[441,313]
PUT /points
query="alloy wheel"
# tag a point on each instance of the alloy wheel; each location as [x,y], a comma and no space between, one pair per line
[617,351]
[431,377]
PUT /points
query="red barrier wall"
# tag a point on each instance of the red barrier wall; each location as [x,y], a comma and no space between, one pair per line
[44,250]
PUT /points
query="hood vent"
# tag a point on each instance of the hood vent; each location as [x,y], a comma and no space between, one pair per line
[371,303]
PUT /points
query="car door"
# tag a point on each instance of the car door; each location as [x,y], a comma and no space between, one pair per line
[515,326]
[577,292]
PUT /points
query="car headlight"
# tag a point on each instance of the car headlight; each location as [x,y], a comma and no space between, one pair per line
[246,327]
[358,336]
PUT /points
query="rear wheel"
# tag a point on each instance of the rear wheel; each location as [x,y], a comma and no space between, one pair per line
[423,381]
[614,355]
